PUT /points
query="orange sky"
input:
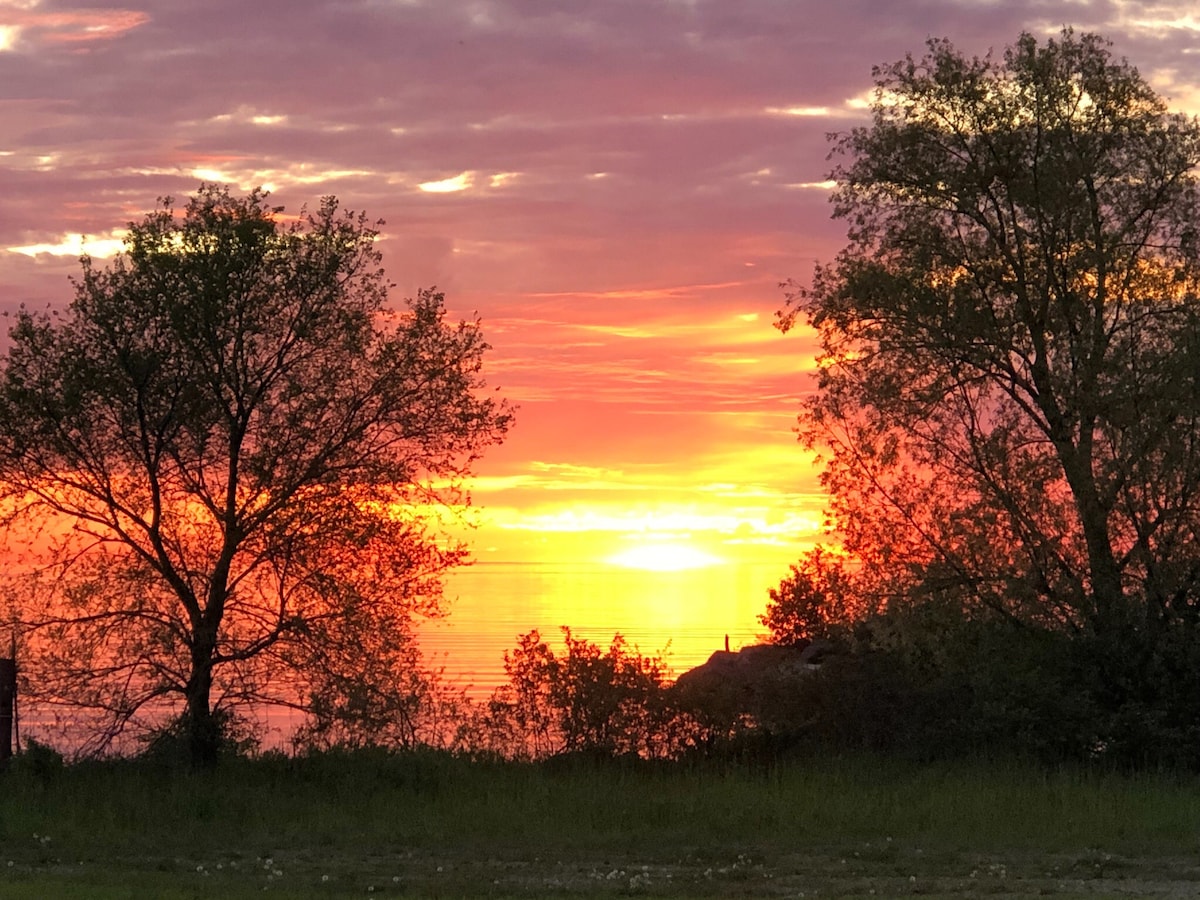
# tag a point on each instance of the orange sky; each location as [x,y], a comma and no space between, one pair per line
[646,419]
[617,187]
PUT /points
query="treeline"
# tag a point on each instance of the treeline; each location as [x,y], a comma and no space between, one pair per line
[918,684]
[1008,409]
[576,699]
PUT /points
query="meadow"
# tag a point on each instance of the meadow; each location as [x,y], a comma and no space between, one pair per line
[431,825]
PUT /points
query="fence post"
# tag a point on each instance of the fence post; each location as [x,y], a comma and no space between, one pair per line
[8,698]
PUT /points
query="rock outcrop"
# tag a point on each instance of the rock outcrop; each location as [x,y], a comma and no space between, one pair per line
[759,683]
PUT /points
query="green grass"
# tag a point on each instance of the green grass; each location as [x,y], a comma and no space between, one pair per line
[429,825]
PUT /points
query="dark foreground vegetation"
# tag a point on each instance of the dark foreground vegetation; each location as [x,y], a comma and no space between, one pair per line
[434,825]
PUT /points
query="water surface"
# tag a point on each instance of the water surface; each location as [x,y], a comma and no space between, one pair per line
[687,613]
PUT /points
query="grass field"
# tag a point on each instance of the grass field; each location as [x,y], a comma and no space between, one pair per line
[433,826]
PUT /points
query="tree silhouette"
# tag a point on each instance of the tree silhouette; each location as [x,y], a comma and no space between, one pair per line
[1009,390]
[816,601]
[235,452]
[586,699]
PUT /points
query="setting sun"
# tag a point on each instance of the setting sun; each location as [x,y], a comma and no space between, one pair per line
[663,557]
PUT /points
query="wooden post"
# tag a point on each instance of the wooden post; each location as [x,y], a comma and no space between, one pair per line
[8,699]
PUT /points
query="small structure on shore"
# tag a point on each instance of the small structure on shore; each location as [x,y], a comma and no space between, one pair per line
[760,681]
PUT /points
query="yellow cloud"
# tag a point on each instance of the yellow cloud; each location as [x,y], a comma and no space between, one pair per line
[76,245]
[667,556]
[804,111]
[448,185]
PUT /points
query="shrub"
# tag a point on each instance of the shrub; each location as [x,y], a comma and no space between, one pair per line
[585,700]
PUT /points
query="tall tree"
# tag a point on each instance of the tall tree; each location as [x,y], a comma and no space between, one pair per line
[235,452]
[1009,390]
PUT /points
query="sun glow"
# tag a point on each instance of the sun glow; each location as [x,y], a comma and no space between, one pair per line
[448,185]
[77,245]
[663,557]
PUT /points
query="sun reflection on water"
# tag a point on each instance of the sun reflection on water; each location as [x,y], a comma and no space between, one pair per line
[687,611]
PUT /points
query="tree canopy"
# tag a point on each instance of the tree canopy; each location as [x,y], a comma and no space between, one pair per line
[235,451]
[612,702]
[1008,394]
[1009,377]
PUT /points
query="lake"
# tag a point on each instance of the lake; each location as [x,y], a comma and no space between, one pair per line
[687,612]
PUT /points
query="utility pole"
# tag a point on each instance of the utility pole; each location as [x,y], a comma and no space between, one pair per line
[8,702]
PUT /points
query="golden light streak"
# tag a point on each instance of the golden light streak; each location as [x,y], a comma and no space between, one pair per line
[868,98]
[210,175]
[663,557]
[1148,19]
[448,185]
[733,524]
[803,111]
[76,245]
[72,26]
[652,293]
[271,179]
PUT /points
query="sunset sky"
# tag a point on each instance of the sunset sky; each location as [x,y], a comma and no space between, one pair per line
[617,187]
